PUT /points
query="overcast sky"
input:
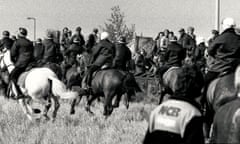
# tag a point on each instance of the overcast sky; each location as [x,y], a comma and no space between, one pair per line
[149,16]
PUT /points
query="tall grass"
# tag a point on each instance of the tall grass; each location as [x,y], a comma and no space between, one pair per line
[122,127]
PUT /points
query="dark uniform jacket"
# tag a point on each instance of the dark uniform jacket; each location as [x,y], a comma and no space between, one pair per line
[6,43]
[22,52]
[187,42]
[82,41]
[175,121]
[92,40]
[175,54]
[225,49]
[38,52]
[65,41]
[51,51]
[226,125]
[72,53]
[103,53]
[122,56]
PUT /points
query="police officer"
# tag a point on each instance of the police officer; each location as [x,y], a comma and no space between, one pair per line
[52,52]
[92,40]
[21,55]
[38,50]
[102,54]
[122,55]
[178,119]
[174,56]
[79,35]
[6,41]
[71,55]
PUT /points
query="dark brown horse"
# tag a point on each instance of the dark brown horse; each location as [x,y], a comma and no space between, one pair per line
[169,84]
[109,83]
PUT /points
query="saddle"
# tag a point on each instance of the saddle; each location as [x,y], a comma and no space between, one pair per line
[104,67]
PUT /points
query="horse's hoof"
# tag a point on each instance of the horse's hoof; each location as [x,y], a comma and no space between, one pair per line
[46,118]
[53,120]
[91,113]
[106,117]
[72,112]
[127,106]
[115,105]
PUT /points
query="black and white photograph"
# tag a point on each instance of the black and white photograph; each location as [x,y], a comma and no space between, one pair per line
[119,72]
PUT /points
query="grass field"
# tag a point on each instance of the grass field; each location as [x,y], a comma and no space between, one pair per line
[122,127]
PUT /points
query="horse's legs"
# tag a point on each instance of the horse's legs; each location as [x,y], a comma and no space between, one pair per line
[126,100]
[74,102]
[117,101]
[22,102]
[56,107]
[46,109]
[89,102]
[108,103]
[162,94]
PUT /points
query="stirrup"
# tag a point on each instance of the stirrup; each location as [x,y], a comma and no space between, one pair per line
[88,89]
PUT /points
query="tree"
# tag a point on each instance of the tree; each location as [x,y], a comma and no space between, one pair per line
[116,26]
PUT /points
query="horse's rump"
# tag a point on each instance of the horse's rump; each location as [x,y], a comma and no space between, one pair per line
[170,78]
[219,90]
[22,78]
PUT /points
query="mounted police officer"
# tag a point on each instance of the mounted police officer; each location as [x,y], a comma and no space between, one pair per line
[102,55]
[225,50]
[21,55]
[38,50]
[92,40]
[71,54]
[178,119]
[122,55]
[174,56]
[52,52]
[79,35]
[6,41]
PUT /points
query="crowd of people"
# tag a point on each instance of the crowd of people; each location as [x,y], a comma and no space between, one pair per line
[177,120]
[180,119]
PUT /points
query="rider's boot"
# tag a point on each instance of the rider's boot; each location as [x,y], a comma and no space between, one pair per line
[18,90]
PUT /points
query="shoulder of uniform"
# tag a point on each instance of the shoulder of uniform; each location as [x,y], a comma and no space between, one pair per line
[185,106]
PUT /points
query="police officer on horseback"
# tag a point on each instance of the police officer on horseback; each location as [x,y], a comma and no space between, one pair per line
[6,41]
[178,119]
[102,55]
[225,50]
[71,55]
[174,56]
[21,55]
[122,55]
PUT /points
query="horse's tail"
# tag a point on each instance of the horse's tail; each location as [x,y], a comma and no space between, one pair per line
[237,80]
[58,88]
[130,85]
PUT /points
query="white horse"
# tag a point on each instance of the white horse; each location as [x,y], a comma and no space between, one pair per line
[40,85]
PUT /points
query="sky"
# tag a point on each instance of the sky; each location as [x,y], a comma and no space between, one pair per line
[149,16]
